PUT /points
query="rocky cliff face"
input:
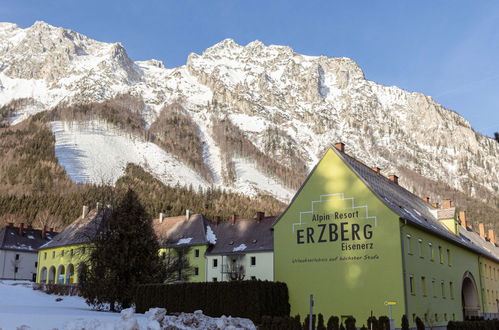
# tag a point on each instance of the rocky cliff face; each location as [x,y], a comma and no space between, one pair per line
[312,102]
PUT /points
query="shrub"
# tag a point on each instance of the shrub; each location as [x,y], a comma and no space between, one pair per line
[320,323]
[333,323]
[419,324]
[384,323]
[350,323]
[405,322]
[58,289]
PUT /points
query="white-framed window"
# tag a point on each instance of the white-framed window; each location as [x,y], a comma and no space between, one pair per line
[409,245]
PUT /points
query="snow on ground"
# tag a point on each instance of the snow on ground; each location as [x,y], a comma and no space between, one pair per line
[21,305]
[97,152]
[250,181]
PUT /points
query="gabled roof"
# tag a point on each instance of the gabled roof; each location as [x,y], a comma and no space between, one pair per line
[174,232]
[81,231]
[243,236]
[408,206]
[30,241]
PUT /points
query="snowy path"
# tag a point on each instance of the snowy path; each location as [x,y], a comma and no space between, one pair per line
[21,305]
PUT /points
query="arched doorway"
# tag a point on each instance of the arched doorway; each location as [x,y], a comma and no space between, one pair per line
[43,275]
[51,275]
[469,296]
[70,274]
[60,274]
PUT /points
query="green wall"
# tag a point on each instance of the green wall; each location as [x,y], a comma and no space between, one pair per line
[315,255]
[420,264]
[199,262]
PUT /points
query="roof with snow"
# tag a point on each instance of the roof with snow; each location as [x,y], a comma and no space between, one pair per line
[410,207]
[175,232]
[81,231]
[29,241]
[243,235]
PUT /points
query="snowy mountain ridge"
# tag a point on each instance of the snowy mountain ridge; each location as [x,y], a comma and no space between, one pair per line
[310,101]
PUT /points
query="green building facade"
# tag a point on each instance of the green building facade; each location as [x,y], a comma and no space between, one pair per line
[359,243]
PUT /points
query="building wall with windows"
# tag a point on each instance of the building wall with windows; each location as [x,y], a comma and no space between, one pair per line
[434,270]
[196,269]
[490,291]
[420,258]
[61,265]
[255,266]
[17,265]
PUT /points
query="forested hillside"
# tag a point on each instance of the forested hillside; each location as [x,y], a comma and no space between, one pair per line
[35,189]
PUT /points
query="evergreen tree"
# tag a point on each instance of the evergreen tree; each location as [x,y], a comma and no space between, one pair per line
[125,254]
[405,322]
[496,136]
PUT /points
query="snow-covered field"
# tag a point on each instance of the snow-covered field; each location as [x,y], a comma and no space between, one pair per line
[21,305]
[23,308]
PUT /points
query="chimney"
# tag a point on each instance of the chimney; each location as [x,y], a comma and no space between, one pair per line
[51,229]
[259,216]
[187,214]
[447,203]
[435,205]
[161,217]
[21,229]
[481,230]
[393,178]
[492,236]
[11,224]
[340,146]
[44,232]
[426,199]
[234,218]
[377,170]
[218,219]
[462,218]
[84,211]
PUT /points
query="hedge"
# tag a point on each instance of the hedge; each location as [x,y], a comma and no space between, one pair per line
[473,325]
[58,289]
[249,299]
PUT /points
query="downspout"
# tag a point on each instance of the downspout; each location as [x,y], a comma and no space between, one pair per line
[404,223]
[482,288]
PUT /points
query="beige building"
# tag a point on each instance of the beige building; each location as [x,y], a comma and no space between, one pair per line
[19,251]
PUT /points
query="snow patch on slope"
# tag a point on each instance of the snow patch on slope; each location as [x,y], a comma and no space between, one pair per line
[98,152]
[250,181]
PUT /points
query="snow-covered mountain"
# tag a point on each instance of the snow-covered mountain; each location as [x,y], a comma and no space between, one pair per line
[310,101]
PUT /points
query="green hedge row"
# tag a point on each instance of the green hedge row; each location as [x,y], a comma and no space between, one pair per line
[249,299]
[473,325]
[58,289]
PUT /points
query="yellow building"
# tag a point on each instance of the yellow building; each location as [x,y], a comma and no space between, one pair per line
[61,259]
[187,237]
[359,242]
